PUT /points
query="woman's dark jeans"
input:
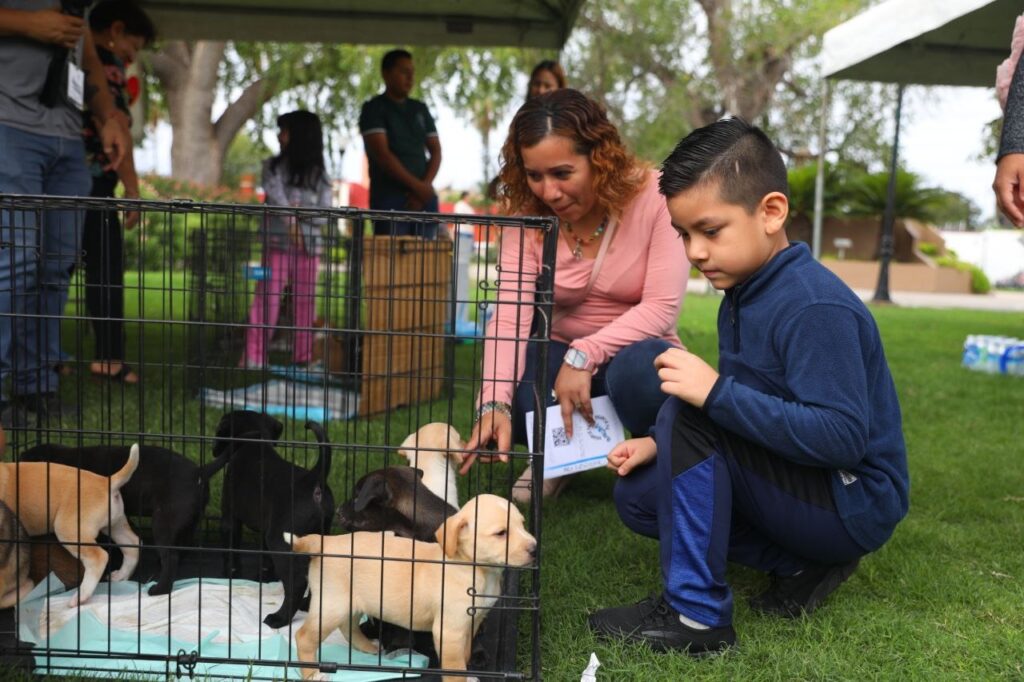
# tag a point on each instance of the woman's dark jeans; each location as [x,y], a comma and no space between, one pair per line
[629,379]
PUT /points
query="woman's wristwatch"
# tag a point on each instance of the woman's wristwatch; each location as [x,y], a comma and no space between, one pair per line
[577,359]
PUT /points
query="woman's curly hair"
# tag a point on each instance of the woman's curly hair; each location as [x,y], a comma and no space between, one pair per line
[618,175]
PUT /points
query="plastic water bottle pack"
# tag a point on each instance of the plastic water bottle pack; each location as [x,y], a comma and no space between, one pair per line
[994,354]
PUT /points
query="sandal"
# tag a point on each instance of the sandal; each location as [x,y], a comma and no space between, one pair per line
[552,488]
[120,376]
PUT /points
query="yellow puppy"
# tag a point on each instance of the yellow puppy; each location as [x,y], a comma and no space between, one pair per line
[77,506]
[432,593]
[437,450]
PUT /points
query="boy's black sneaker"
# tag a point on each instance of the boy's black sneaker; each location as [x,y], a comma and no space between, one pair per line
[800,594]
[653,622]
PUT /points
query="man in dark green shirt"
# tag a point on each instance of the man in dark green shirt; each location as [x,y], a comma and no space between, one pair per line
[402,147]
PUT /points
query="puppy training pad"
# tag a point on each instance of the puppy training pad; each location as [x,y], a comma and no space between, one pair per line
[216,618]
[296,400]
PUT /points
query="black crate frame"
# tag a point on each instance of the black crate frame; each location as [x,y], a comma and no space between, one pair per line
[193,306]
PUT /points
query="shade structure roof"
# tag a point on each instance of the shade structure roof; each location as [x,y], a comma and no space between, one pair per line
[927,42]
[517,23]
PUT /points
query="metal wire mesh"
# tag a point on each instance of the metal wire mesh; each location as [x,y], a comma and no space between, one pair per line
[383,336]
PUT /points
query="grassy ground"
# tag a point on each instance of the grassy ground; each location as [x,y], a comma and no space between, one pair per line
[944,599]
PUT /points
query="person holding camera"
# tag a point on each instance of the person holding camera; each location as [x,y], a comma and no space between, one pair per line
[50,73]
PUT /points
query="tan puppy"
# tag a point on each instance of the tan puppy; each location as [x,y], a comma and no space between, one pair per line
[77,506]
[15,583]
[437,450]
[433,589]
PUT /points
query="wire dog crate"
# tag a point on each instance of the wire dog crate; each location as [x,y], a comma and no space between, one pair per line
[381,345]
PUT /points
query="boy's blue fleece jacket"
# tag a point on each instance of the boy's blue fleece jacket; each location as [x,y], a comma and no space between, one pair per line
[803,374]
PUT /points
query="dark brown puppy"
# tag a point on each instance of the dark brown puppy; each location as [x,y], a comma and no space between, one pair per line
[272,496]
[167,486]
[395,499]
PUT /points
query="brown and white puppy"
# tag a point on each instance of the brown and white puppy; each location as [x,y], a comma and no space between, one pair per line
[77,506]
[14,559]
[437,450]
[435,589]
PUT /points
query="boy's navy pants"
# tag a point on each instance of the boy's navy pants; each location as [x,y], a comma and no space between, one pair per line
[713,497]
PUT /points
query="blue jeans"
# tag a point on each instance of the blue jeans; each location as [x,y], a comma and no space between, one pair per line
[712,497]
[403,228]
[628,379]
[37,252]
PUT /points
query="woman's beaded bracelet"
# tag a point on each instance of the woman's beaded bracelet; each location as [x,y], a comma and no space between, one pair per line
[495,406]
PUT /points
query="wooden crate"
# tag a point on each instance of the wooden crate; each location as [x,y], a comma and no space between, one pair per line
[406,302]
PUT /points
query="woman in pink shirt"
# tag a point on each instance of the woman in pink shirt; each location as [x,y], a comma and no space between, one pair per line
[618,283]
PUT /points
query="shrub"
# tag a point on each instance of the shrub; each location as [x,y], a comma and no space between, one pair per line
[979,280]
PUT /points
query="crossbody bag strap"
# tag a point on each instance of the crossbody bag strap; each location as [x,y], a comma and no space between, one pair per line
[558,313]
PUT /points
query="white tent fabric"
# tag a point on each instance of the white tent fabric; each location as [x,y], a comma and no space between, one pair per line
[928,42]
[521,23]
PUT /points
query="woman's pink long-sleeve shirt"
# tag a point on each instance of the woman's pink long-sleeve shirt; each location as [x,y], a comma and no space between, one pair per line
[637,295]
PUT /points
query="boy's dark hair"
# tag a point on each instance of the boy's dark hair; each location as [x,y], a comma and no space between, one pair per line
[136,21]
[737,156]
[392,57]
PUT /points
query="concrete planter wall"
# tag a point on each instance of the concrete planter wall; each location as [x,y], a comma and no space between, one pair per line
[902,276]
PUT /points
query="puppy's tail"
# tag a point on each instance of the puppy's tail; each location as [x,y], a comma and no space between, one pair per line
[207,471]
[122,475]
[323,462]
[305,544]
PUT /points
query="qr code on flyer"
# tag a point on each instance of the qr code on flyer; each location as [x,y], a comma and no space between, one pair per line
[559,437]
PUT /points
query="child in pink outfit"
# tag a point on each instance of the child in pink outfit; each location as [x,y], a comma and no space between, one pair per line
[296,177]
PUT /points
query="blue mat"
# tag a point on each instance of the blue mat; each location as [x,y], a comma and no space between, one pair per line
[122,618]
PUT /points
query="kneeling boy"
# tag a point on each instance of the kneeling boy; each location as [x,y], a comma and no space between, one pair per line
[790,458]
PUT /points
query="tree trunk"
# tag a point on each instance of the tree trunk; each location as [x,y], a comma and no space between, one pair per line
[188,73]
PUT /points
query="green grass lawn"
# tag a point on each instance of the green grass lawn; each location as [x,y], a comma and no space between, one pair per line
[944,599]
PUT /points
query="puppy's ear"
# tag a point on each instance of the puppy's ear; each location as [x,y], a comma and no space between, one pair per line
[270,427]
[448,535]
[458,456]
[373,489]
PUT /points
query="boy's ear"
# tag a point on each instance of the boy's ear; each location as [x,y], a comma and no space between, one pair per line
[774,209]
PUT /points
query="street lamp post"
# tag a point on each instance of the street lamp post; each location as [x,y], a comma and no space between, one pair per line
[889,216]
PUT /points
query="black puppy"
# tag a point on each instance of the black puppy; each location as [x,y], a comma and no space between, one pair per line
[272,496]
[395,499]
[167,486]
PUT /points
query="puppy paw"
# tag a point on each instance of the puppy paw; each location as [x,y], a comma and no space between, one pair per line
[74,602]
[119,575]
[276,621]
[159,589]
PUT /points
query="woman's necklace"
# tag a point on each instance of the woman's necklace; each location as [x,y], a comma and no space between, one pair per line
[577,251]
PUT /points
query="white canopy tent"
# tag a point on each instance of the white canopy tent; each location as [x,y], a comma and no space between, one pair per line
[518,23]
[926,42]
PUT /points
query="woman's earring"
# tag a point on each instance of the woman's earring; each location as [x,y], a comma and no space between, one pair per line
[110,44]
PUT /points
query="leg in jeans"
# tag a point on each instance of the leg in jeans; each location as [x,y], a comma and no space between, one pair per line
[303,303]
[715,497]
[634,386]
[266,305]
[35,164]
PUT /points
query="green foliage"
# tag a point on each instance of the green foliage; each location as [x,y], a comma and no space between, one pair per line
[980,283]
[838,179]
[867,196]
[245,157]
[928,249]
[953,209]
[162,238]
[662,72]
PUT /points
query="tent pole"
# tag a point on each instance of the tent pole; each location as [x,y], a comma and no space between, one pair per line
[889,217]
[819,178]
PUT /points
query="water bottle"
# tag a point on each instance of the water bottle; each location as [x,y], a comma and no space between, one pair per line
[972,353]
